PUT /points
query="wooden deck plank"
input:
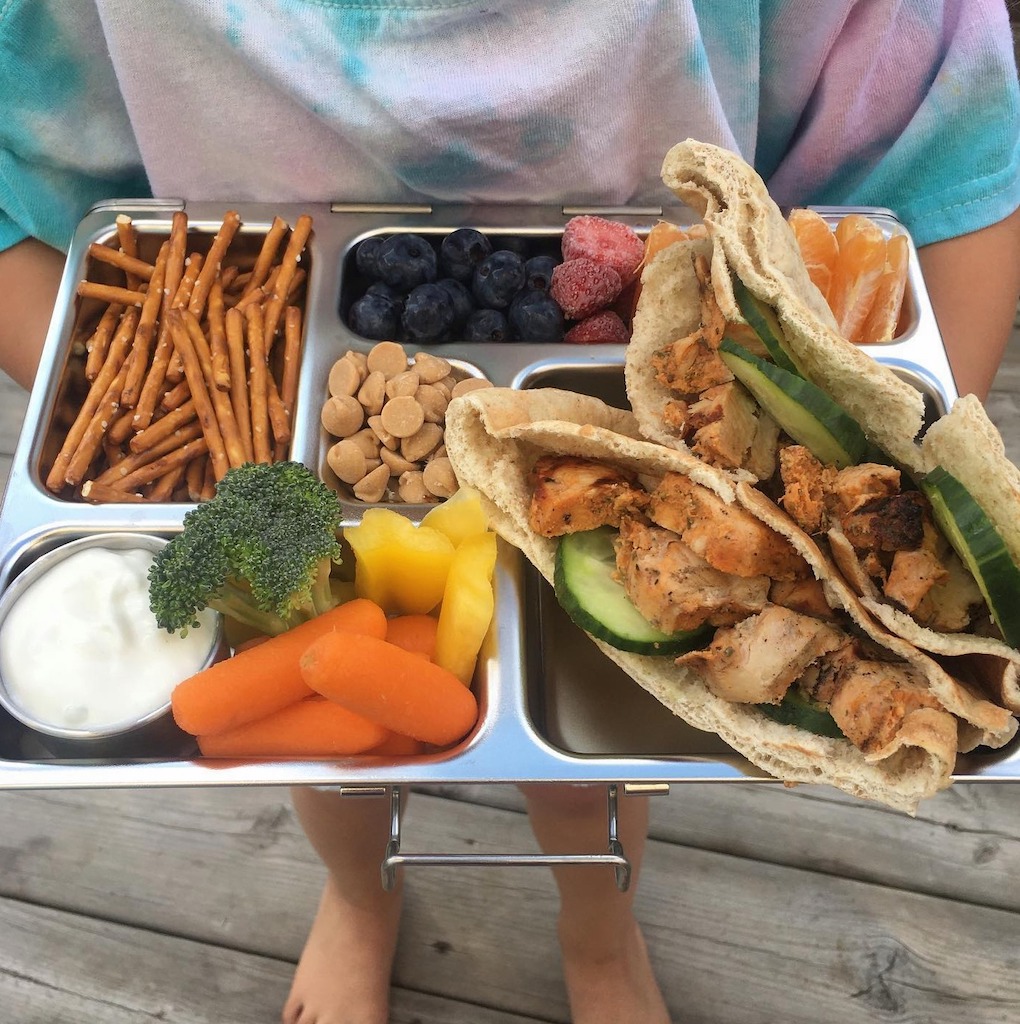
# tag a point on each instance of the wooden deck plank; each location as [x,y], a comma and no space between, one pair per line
[733,939]
[62,968]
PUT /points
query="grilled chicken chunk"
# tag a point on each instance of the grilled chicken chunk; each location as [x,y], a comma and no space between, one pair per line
[893,523]
[569,494]
[757,660]
[869,699]
[726,422]
[807,485]
[676,589]
[689,365]
[728,537]
[805,596]
[856,486]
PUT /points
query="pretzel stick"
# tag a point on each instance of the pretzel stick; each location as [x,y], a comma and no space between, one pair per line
[289,375]
[213,259]
[137,459]
[185,328]
[234,323]
[194,477]
[277,413]
[142,347]
[178,265]
[154,470]
[220,399]
[164,487]
[162,428]
[258,386]
[121,428]
[113,453]
[110,293]
[97,492]
[92,438]
[127,238]
[99,343]
[208,490]
[258,295]
[288,267]
[217,339]
[267,254]
[228,277]
[176,396]
[114,361]
[136,270]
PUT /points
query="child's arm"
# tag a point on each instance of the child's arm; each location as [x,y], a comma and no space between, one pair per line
[29,278]
[974,283]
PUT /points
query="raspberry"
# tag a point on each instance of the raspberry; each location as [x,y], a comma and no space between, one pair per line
[605,241]
[582,287]
[602,328]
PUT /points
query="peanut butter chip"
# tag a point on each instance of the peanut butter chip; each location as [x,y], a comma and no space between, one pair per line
[405,383]
[373,392]
[430,368]
[384,436]
[439,478]
[342,415]
[411,488]
[387,358]
[397,463]
[372,487]
[462,387]
[433,402]
[347,460]
[344,378]
[368,441]
[421,443]
[359,359]
[402,416]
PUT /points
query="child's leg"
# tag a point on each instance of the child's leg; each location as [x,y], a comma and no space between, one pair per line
[343,976]
[605,961]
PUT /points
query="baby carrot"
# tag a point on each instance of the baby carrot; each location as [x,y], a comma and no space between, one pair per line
[415,633]
[391,686]
[396,745]
[263,679]
[313,727]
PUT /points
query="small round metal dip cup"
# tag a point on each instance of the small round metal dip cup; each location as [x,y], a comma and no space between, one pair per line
[149,735]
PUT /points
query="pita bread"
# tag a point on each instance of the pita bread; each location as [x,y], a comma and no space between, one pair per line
[493,438]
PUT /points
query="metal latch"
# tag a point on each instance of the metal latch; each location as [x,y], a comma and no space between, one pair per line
[615,856]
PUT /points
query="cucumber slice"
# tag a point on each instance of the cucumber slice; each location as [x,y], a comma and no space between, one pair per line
[801,408]
[762,319]
[979,545]
[598,603]
[797,708]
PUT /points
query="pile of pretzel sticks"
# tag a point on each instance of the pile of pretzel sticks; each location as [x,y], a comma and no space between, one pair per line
[192,368]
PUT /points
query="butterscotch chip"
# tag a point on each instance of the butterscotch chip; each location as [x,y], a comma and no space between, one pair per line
[439,453]
[384,436]
[387,358]
[372,394]
[449,382]
[431,367]
[397,463]
[402,416]
[425,440]
[462,387]
[342,415]
[411,488]
[344,378]
[405,383]
[442,387]
[347,460]
[372,487]
[439,478]
[433,402]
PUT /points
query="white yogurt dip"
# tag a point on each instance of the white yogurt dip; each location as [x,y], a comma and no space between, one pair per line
[80,649]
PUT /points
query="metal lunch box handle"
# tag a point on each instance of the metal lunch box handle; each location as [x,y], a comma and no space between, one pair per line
[614,857]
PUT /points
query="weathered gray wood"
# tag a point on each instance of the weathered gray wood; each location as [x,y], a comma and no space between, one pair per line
[61,968]
[733,939]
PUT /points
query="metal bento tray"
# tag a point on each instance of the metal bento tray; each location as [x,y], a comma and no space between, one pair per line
[551,706]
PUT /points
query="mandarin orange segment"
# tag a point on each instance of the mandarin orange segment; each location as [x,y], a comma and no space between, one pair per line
[859,266]
[818,246]
[885,310]
[662,235]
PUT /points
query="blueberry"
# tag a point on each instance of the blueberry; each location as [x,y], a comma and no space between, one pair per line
[515,243]
[375,316]
[405,261]
[538,272]
[535,316]
[463,302]
[366,256]
[380,288]
[497,279]
[428,314]
[461,251]
[487,325]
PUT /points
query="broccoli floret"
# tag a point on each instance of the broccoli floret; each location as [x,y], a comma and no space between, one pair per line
[260,551]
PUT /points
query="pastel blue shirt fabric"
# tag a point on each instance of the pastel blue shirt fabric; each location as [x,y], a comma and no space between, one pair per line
[909,104]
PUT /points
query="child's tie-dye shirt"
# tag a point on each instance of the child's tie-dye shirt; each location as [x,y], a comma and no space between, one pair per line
[909,104]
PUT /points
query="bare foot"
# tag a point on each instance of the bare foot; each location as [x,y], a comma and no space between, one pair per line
[611,986]
[343,976]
